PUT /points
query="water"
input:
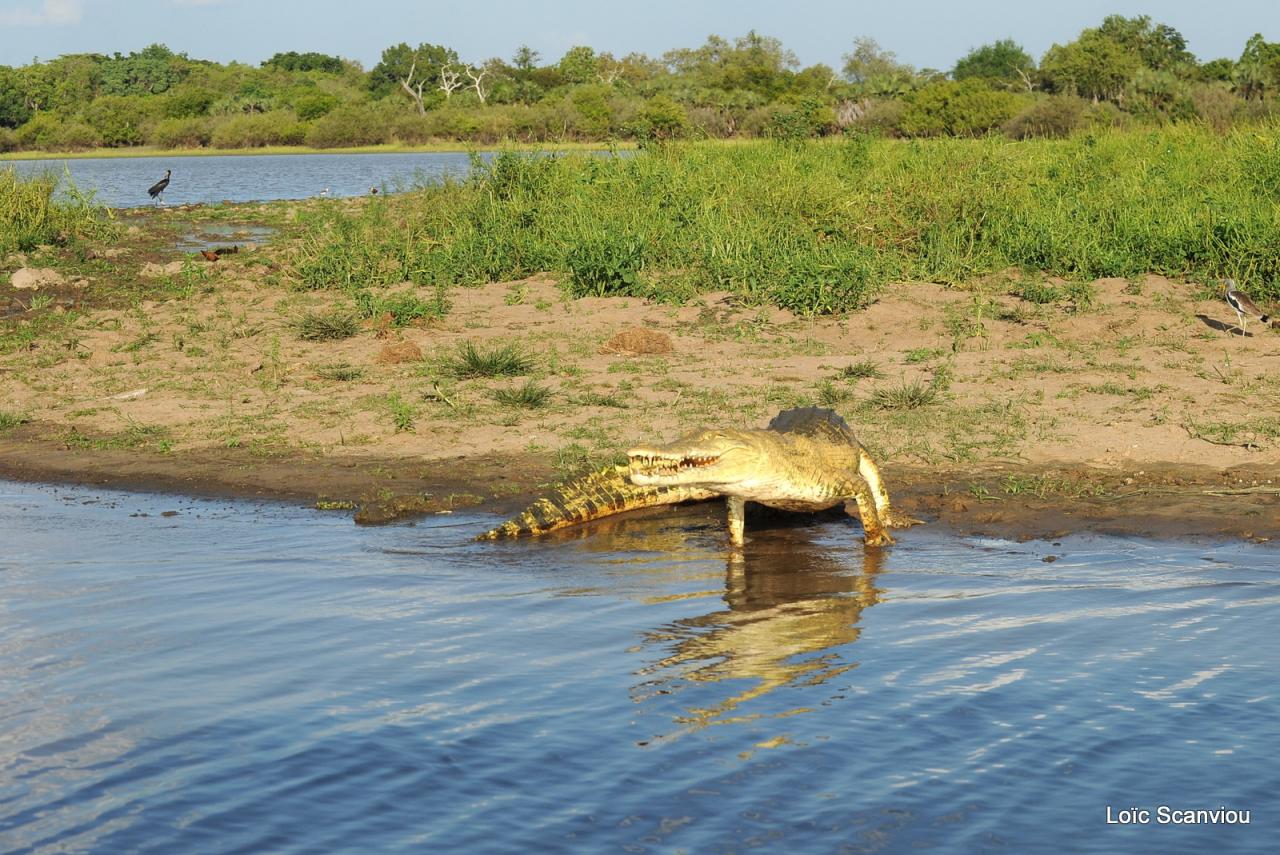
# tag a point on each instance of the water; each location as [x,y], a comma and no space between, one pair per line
[123,182]
[257,678]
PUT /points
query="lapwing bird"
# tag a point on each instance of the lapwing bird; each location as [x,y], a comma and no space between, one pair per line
[156,191]
[1244,307]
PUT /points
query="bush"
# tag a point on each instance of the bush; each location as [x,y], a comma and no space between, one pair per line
[30,216]
[119,120]
[314,105]
[970,108]
[46,132]
[660,119]
[1054,116]
[187,103]
[255,130]
[182,133]
[8,140]
[347,126]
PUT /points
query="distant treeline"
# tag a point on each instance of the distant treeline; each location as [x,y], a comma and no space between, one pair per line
[1124,71]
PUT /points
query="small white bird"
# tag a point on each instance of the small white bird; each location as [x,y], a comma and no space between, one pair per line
[1245,308]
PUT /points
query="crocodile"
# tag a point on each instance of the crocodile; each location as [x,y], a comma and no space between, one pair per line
[807,459]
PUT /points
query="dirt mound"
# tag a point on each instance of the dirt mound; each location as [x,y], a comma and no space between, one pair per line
[638,341]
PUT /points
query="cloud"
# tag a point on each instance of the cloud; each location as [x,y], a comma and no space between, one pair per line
[52,13]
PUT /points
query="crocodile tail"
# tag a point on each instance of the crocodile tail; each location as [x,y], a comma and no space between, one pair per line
[592,496]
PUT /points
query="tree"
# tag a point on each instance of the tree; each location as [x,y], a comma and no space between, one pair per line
[1003,61]
[1258,69]
[1159,46]
[14,110]
[578,65]
[310,61]
[525,58]
[147,72]
[868,61]
[1093,66]
[425,61]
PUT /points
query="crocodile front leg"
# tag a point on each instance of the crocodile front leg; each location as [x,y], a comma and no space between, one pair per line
[737,519]
[871,474]
[873,530]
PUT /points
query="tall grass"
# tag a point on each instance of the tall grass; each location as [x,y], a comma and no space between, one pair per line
[31,216]
[820,227]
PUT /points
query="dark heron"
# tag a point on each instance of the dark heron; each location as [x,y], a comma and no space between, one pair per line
[156,191]
[1244,307]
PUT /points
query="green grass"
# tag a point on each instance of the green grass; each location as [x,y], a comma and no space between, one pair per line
[30,215]
[403,414]
[904,396]
[331,325]
[530,394]
[341,372]
[10,421]
[804,228]
[469,361]
[866,369]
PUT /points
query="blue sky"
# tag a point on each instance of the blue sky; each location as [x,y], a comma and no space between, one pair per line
[925,33]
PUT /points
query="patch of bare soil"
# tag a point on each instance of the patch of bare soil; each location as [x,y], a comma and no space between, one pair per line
[1141,410]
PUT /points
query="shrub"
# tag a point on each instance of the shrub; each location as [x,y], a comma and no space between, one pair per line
[314,105]
[1054,116]
[182,133]
[347,126]
[970,108]
[185,102]
[660,119]
[255,130]
[330,325]
[119,120]
[47,132]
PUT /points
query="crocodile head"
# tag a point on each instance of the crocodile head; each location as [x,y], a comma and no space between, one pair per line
[714,459]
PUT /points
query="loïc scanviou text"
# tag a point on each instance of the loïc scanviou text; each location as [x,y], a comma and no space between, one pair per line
[1166,815]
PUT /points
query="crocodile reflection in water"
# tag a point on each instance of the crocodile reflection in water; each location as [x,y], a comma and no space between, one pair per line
[792,606]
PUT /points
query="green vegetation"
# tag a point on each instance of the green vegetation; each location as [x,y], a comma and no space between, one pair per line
[819,227]
[10,421]
[330,325]
[30,216]
[530,394]
[1123,71]
[501,361]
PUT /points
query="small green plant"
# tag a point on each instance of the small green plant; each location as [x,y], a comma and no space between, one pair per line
[866,369]
[596,399]
[331,325]
[403,308]
[342,372]
[905,396]
[403,414]
[830,395]
[1040,293]
[530,394]
[507,360]
[9,421]
[921,354]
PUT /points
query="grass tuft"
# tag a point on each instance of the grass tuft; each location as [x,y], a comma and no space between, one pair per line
[506,360]
[530,394]
[331,325]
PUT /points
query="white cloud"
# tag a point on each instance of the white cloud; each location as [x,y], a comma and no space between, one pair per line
[51,13]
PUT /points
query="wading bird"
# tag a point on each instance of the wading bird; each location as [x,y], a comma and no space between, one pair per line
[1245,308]
[156,191]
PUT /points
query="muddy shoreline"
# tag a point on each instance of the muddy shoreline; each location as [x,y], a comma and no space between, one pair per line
[1154,500]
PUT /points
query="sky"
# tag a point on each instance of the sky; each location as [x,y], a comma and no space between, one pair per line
[924,33]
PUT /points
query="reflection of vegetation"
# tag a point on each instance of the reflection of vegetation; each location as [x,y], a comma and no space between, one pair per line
[790,612]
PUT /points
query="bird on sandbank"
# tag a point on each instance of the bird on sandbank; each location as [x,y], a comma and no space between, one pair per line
[1244,307]
[156,191]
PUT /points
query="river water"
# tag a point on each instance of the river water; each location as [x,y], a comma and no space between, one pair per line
[122,182]
[182,675]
